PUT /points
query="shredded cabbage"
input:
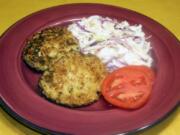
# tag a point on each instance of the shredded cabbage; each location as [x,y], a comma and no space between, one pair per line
[116,43]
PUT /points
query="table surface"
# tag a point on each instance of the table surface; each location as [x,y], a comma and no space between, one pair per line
[166,12]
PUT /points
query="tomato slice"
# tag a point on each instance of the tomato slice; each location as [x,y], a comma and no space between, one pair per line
[128,87]
[148,71]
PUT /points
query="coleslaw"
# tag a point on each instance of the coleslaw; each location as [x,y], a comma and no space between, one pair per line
[116,43]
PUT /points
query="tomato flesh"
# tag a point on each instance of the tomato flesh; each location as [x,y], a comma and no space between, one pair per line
[128,87]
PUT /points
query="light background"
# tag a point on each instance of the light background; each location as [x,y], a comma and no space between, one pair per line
[166,12]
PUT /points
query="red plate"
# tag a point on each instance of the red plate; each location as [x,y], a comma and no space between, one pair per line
[21,97]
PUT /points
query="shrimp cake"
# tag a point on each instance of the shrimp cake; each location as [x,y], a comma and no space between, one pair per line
[48,46]
[74,80]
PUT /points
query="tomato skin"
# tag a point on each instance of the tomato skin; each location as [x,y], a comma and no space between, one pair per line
[128,87]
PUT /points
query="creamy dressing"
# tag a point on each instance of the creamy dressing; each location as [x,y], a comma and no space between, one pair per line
[116,43]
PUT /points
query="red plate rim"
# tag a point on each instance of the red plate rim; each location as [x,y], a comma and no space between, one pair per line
[173,51]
